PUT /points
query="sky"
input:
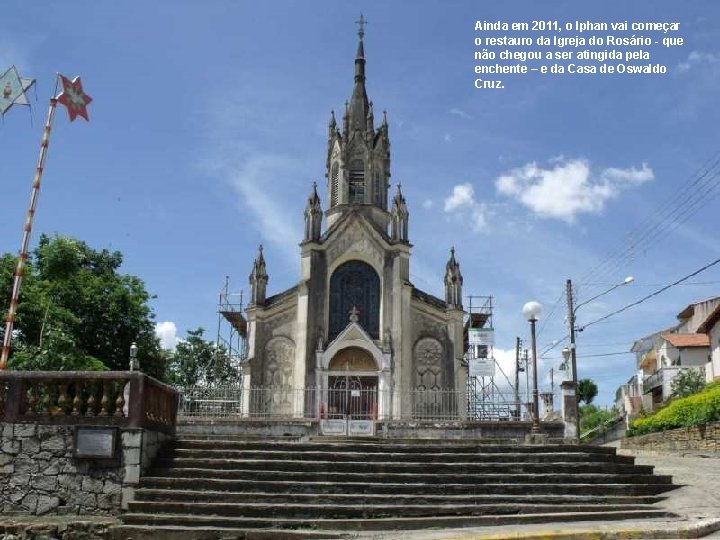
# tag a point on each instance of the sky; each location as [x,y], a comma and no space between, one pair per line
[209,125]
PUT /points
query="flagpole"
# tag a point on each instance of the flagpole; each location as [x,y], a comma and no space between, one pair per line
[12,312]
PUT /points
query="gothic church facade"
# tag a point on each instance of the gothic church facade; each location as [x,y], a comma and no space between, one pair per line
[354,321]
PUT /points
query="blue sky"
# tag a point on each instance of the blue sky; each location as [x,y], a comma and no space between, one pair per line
[209,125]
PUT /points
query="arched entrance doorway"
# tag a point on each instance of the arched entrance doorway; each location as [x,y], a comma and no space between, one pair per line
[352,385]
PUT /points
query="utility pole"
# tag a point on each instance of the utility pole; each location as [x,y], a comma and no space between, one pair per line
[517,378]
[526,363]
[573,350]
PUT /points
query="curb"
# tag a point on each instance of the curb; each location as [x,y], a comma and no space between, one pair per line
[696,530]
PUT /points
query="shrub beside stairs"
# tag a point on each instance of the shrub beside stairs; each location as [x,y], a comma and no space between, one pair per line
[221,486]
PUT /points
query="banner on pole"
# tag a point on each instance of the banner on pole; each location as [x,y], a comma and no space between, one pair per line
[481,367]
[481,336]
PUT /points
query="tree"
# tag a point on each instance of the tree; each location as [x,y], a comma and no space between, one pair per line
[687,382]
[200,362]
[592,417]
[78,312]
[586,391]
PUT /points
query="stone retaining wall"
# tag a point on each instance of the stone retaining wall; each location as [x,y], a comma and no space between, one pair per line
[39,474]
[702,438]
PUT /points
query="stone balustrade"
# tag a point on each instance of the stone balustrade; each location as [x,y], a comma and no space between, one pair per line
[39,415]
[118,398]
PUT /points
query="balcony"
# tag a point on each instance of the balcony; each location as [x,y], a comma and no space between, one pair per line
[661,377]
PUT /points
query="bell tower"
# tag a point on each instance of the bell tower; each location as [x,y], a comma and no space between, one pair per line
[358,156]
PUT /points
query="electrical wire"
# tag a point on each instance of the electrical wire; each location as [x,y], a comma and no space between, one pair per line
[647,297]
[649,228]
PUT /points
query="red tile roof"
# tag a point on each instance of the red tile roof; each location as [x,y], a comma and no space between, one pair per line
[687,340]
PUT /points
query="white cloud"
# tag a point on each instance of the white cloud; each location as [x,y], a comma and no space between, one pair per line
[568,187]
[695,58]
[463,196]
[428,203]
[167,332]
[462,202]
[447,138]
[256,178]
[460,113]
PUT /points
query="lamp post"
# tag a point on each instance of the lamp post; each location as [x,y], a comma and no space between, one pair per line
[133,357]
[572,310]
[532,311]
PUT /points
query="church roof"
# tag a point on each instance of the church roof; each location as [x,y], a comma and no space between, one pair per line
[428,298]
[279,297]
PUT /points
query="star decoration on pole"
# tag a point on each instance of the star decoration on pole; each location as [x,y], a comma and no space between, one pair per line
[12,89]
[74,98]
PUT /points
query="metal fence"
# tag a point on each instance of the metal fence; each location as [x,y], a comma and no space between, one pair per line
[334,403]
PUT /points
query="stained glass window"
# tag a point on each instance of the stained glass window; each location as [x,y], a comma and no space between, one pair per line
[355,284]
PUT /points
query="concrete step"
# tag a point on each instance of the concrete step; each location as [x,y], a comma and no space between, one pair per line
[379,524]
[366,447]
[475,467]
[338,511]
[481,479]
[359,487]
[167,532]
[439,456]
[194,495]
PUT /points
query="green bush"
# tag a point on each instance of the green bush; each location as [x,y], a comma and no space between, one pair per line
[690,411]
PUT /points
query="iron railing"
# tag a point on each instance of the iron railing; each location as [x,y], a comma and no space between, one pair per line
[335,403]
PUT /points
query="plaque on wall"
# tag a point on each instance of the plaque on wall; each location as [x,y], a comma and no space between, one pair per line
[95,442]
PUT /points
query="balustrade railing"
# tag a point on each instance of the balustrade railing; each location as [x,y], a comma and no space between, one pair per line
[123,398]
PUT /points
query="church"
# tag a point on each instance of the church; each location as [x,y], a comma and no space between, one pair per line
[355,325]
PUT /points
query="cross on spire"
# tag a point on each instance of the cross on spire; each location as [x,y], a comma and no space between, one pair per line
[361,26]
[354,314]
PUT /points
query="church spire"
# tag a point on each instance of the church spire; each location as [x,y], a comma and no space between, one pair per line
[453,281]
[258,279]
[400,215]
[358,154]
[313,216]
[359,105]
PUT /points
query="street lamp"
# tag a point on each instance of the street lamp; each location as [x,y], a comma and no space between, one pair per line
[532,312]
[133,357]
[566,357]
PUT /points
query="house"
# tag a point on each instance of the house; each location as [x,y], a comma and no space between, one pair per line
[664,354]
[628,398]
[711,327]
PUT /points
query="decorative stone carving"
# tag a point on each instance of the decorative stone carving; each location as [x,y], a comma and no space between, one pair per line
[278,376]
[428,356]
[355,240]
[279,362]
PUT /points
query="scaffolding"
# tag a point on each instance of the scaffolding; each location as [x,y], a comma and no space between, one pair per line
[231,329]
[486,399]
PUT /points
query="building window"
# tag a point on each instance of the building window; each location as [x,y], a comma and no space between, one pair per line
[334,184]
[376,188]
[357,182]
[355,284]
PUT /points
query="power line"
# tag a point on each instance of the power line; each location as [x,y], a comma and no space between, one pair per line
[647,297]
[700,178]
[604,354]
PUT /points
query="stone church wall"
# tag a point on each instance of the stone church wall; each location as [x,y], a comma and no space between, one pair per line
[38,473]
[431,351]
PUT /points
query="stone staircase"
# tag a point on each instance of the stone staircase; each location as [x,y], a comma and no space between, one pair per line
[225,487]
